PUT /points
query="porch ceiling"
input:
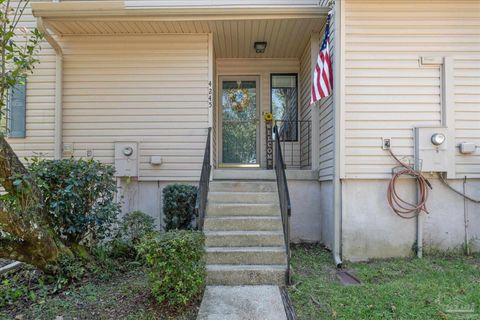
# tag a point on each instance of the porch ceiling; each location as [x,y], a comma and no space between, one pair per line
[231,38]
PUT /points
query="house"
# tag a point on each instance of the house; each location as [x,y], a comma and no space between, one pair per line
[137,83]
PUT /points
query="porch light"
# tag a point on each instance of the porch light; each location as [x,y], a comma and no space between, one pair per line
[260,46]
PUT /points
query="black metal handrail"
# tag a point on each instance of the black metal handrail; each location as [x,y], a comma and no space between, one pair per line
[202,192]
[283,195]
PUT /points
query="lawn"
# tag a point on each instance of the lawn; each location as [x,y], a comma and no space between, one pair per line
[124,295]
[435,287]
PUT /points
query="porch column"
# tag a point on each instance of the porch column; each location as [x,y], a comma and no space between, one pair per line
[315,154]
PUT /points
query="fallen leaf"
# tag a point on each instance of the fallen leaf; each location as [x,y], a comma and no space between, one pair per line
[334,314]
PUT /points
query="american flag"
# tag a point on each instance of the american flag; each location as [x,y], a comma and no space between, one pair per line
[322,85]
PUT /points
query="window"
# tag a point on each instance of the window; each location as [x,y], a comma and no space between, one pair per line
[284,95]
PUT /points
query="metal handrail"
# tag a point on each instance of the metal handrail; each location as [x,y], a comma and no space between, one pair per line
[284,196]
[202,192]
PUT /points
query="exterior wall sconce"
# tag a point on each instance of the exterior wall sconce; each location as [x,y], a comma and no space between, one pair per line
[260,46]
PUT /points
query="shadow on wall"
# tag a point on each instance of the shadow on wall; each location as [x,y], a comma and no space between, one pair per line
[306,219]
[145,196]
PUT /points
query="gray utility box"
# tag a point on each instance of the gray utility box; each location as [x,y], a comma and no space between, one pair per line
[126,159]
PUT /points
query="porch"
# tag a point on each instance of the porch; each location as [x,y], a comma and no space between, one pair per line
[162,78]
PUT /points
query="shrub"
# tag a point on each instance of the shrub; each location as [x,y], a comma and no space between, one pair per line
[179,206]
[80,197]
[177,264]
[133,227]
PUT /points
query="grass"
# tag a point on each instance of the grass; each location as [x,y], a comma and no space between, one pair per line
[122,296]
[435,287]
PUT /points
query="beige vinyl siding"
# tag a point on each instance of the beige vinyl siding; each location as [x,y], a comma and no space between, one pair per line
[467,112]
[326,121]
[305,112]
[263,68]
[387,91]
[40,102]
[148,89]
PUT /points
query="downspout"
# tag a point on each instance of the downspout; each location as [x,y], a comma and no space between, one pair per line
[57,150]
[337,182]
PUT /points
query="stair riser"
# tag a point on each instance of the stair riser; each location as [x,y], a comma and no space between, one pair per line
[238,197]
[234,278]
[242,187]
[249,258]
[243,224]
[244,240]
[222,209]
[254,175]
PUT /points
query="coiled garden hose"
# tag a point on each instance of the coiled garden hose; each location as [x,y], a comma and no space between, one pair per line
[401,207]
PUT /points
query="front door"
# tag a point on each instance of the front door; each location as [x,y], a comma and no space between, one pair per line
[239,123]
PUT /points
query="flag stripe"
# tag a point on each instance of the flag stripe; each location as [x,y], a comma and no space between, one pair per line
[322,82]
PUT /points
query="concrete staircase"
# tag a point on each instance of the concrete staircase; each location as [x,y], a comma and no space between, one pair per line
[243,227]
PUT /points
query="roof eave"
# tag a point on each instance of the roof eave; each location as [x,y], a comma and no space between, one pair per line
[105,9]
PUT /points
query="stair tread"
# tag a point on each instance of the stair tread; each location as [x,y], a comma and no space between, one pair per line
[246,192]
[250,267]
[243,204]
[242,233]
[246,249]
[246,181]
[243,218]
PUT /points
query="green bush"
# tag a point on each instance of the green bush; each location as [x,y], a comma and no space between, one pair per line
[80,197]
[177,264]
[179,206]
[133,227]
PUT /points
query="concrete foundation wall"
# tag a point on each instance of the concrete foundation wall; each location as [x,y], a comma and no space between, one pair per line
[370,229]
[145,196]
[306,219]
[326,209]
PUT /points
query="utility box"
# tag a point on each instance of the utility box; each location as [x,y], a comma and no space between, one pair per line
[126,159]
[431,149]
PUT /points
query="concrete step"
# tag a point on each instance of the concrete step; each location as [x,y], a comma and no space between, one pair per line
[243,174]
[243,197]
[243,186]
[262,175]
[243,209]
[247,223]
[246,274]
[244,238]
[246,255]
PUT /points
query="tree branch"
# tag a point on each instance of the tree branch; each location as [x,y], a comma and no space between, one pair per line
[28,242]
[11,166]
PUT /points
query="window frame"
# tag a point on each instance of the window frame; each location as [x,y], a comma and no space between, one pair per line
[298,102]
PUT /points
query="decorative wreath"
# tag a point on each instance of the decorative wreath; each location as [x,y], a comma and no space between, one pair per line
[239,99]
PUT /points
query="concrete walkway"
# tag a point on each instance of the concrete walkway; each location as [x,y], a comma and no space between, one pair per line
[242,303]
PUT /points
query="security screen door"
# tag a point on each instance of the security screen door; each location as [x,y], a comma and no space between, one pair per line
[239,121]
